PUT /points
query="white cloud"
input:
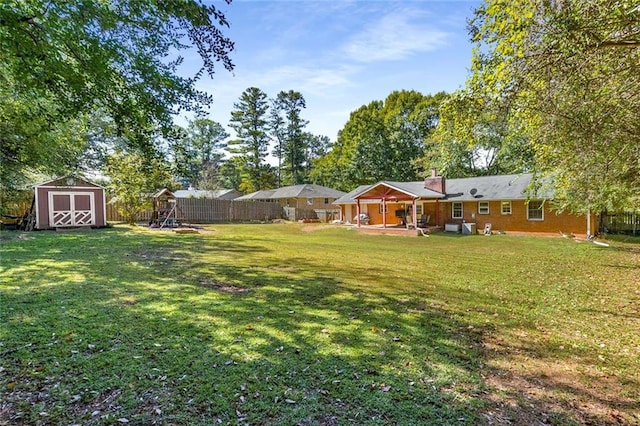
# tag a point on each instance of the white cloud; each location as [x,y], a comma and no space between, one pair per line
[395,36]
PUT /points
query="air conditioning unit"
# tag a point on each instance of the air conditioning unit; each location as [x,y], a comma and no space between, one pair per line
[469,228]
[451,227]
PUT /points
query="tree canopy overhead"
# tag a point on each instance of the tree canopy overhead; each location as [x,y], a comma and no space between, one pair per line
[381,141]
[62,60]
[114,54]
[568,74]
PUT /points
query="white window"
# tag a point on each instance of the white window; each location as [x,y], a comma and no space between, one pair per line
[418,208]
[309,201]
[505,207]
[483,207]
[535,210]
[456,210]
[383,208]
[326,201]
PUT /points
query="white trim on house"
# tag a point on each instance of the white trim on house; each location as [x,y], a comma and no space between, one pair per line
[453,210]
[536,219]
[485,209]
[502,205]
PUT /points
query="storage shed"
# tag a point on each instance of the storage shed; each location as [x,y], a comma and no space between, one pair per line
[69,202]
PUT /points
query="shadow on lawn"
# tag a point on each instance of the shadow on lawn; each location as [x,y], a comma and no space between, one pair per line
[145,339]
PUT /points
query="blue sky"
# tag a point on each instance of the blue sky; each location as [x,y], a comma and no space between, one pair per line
[341,54]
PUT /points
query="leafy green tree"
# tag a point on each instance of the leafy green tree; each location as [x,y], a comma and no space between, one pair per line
[231,174]
[30,144]
[383,140]
[249,120]
[474,137]
[317,147]
[197,153]
[63,60]
[133,179]
[291,151]
[568,72]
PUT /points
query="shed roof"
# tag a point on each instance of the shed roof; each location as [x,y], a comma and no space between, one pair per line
[65,182]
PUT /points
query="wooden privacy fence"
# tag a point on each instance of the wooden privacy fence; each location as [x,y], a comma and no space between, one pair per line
[113,215]
[202,210]
[205,210]
[293,213]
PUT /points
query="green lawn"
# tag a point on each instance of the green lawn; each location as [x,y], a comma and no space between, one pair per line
[294,324]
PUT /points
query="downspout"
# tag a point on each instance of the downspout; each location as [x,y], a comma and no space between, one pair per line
[437,213]
[358,212]
[588,223]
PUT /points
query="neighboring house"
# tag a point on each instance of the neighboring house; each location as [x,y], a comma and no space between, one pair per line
[262,195]
[219,194]
[307,196]
[299,201]
[69,202]
[456,204]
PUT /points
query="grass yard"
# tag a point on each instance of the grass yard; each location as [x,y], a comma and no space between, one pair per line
[294,324]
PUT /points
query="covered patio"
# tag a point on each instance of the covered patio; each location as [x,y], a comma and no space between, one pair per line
[403,196]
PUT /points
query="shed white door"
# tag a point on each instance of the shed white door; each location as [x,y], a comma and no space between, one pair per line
[71,209]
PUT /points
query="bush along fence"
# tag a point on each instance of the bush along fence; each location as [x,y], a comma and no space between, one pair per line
[204,210]
[621,223]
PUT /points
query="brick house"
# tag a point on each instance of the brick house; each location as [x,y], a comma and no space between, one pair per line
[504,202]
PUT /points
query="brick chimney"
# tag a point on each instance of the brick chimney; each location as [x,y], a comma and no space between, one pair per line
[435,182]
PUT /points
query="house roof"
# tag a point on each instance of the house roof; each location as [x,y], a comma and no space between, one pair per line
[348,198]
[264,194]
[296,191]
[499,187]
[203,193]
[413,189]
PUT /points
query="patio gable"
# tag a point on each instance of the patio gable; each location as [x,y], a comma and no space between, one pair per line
[398,191]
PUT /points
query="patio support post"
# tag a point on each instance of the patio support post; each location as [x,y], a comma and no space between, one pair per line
[414,213]
[437,213]
[384,212]
[358,213]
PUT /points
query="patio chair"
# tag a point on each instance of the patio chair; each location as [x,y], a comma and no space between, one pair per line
[424,221]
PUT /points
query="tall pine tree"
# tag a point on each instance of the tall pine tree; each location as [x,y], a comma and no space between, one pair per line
[249,121]
[292,151]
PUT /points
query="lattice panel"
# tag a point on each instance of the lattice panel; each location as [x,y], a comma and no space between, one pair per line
[83,217]
[62,218]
